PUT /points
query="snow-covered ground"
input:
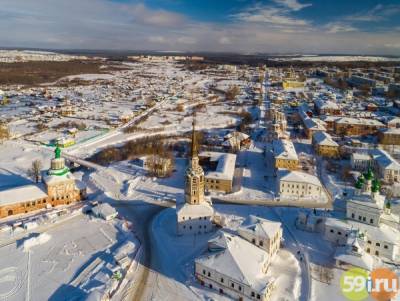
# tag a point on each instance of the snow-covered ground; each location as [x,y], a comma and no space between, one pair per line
[72,258]
[338,58]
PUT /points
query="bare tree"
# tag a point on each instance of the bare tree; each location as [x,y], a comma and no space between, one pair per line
[4,132]
[34,171]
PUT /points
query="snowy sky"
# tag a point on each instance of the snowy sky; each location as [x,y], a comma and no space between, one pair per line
[284,26]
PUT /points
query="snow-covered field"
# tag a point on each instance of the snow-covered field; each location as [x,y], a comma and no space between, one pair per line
[338,58]
[53,265]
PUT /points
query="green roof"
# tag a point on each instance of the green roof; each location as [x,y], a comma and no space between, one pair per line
[57,152]
[369,175]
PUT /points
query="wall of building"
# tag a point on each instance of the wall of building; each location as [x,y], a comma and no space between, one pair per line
[364,214]
[218,185]
[287,164]
[193,225]
[238,291]
[299,189]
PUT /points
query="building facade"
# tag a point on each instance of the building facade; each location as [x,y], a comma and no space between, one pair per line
[59,187]
[324,145]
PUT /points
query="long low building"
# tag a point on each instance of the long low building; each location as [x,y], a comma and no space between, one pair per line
[220,170]
[357,126]
[299,185]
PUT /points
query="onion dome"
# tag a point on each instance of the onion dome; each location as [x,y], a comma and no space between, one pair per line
[369,175]
[376,185]
[359,184]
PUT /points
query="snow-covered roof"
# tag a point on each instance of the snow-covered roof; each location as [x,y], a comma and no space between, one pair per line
[236,135]
[284,149]
[26,193]
[298,177]
[104,210]
[337,223]
[238,259]
[321,104]
[384,160]
[260,227]
[360,121]
[225,167]
[52,179]
[363,260]
[382,233]
[203,209]
[324,138]
[361,156]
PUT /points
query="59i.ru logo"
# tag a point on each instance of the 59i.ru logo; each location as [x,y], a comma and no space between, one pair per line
[357,284]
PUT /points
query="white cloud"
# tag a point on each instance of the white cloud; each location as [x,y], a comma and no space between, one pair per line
[187,40]
[336,27]
[292,4]
[393,45]
[225,41]
[157,39]
[147,16]
[270,15]
[102,24]
[377,13]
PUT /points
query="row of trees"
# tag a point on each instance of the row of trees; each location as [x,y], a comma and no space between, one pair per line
[152,145]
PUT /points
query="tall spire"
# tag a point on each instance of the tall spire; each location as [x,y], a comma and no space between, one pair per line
[194,143]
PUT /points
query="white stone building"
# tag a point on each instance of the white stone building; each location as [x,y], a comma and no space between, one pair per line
[263,233]
[296,184]
[235,267]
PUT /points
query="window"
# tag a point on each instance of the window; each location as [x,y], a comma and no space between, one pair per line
[364,219]
[240,288]
[378,244]
[253,294]
[261,243]
[209,274]
[190,227]
[385,246]
[222,280]
[204,272]
[339,233]
[369,242]
[376,253]
[352,215]
[258,296]
[253,241]
[233,285]
[332,231]
[371,221]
